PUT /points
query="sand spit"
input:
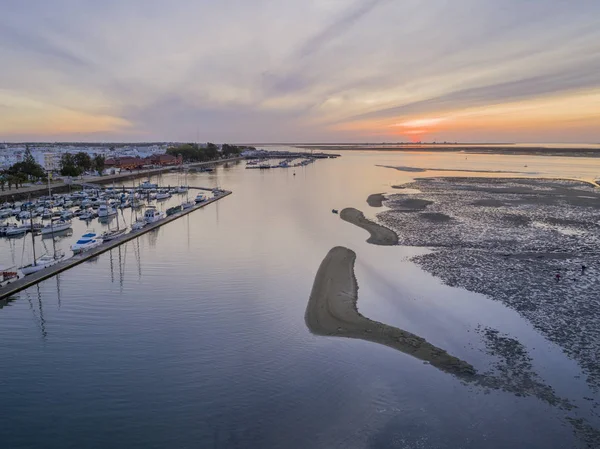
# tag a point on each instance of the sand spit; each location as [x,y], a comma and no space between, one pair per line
[421,170]
[376,200]
[332,311]
[380,235]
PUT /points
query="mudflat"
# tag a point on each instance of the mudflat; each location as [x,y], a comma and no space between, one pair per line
[375,200]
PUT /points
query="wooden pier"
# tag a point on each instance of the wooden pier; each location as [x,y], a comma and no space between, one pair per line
[28,281]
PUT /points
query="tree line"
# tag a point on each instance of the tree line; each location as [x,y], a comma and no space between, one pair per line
[28,170]
[78,163]
[192,152]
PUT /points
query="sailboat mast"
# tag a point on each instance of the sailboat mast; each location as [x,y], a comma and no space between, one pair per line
[32,237]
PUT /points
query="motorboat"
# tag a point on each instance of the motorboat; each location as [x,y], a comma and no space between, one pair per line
[57,226]
[66,215]
[14,230]
[152,215]
[106,211]
[163,195]
[138,224]
[42,262]
[200,198]
[111,235]
[46,214]
[148,185]
[25,215]
[181,189]
[187,205]
[87,241]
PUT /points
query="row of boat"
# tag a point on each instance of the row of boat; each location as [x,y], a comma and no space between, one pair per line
[264,164]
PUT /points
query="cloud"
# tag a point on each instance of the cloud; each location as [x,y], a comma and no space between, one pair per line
[295,70]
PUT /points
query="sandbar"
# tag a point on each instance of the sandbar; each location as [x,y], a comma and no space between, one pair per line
[332,311]
[380,235]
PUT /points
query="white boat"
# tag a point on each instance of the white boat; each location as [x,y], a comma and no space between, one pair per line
[200,198]
[181,189]
[86,242]
[151,215]
[163,195]
[111,235]
[66,215]
[187,205]
[43,262]
[16,230]
[148,185]
[138,224]
[106,211]
[47,213]
[24,215]
[5,213]
[57,226]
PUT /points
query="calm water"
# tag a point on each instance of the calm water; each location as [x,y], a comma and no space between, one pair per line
[193,335]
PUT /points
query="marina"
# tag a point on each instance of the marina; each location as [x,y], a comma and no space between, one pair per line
[154,222]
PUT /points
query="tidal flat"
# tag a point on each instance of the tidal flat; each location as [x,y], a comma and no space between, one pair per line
[532,244]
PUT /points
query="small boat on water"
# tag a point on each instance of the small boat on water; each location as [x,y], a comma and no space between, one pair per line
[335,211]
[148,185]
[87,241]
[111,235]
[57,226]
[163,195]
[187,205]
[200,198]
[138,224]
[106,211]
[43,262]
[152,215]
[13,230]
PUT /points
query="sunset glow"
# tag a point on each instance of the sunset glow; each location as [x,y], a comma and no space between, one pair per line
[314,72]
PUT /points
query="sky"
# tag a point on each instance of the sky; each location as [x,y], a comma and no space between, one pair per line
[300,70]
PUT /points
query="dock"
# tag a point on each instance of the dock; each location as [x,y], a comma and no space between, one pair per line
[27,281]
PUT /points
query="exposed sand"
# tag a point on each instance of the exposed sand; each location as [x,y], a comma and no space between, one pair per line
[380,235]
[332,311]
[376,200]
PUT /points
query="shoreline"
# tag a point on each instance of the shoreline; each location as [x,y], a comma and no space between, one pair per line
[465,149]
[380,235]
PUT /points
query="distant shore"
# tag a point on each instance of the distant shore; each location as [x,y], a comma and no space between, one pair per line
[582,151]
